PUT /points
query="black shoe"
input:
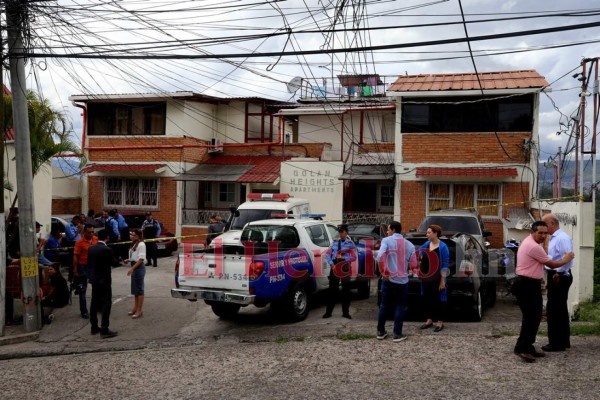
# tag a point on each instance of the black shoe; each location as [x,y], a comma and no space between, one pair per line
[438,328]
[528,358]
[327,315]
[550,348]
[347,316]
[108,334]
[85,315]
[538,354]
[155,266]
[148,264]
[95,330]
[425,326]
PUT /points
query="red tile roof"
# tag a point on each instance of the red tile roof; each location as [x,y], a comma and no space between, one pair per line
[489,81]
[483,172]
[265,168]
[121,167]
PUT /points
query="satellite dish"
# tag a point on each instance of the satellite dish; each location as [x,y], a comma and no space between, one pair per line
[294,84]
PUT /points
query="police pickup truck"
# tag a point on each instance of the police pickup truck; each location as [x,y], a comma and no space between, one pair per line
[279,262]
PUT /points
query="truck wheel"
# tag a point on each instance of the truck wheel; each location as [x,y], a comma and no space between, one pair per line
[225,310]
[477,308]
[296,302]
[364,289]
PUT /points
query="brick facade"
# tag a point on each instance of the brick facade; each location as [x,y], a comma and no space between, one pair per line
[67,206]
[464,148]
[412,203]
[167,203]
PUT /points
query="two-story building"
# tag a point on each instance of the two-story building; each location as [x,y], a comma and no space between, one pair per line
[466,141]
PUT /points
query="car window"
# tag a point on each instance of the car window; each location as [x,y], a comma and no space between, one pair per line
[286,235]
[452,224]
[318,235]
[333,232]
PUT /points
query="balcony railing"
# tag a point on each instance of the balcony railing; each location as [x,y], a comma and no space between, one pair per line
[376,218]
[345,87]
[201,217]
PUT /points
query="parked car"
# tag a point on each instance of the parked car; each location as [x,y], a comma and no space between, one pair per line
[369,233]
[470,286]
[457,220]
[166,246]
[58,223]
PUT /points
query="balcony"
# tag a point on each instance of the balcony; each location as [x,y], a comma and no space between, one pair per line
[343,88]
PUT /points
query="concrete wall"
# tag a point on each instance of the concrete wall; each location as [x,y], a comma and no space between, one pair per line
[318,182]
[42,189]
[577,220]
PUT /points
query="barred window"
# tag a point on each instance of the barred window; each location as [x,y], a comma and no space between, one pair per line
[128,192]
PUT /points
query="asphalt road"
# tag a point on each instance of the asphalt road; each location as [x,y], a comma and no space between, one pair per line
[182,350]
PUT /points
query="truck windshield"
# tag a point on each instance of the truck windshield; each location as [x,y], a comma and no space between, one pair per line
[452,224]
[246,216]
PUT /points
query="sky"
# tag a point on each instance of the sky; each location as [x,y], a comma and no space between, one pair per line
[230,35]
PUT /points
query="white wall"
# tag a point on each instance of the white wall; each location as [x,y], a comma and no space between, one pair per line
[577,220]
[231,122]
[191,118]
[316,181]
[65,186]
[42,189]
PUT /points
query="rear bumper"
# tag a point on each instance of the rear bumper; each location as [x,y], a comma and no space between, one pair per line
[213,295]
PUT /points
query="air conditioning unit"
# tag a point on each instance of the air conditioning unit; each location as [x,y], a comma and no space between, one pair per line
[215,146]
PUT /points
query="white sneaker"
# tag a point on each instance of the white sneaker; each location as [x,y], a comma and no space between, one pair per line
[381,335]
[399,338]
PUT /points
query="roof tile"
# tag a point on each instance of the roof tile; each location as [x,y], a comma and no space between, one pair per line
[469,81]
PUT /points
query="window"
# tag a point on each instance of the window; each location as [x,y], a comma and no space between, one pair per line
[510,114]
[227,192]
[144,118]
[318,235]
[259,123]
[386,197]
[128,192]
[484,197]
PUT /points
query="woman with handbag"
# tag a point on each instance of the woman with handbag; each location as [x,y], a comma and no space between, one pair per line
[433,269]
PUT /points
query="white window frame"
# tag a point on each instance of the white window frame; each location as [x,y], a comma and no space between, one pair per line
[380,207]
[475,195]
[123,193]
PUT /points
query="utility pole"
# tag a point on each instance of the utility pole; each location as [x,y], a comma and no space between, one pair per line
[16,17]
[3,299]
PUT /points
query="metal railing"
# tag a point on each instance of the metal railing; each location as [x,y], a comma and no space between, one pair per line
[376,218]
[201,217]
[328,88]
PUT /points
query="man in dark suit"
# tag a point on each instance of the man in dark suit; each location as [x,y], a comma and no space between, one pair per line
[101,260]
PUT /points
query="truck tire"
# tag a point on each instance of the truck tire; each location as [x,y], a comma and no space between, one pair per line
[225,310]
[477,308]
[296,302]
[364,288]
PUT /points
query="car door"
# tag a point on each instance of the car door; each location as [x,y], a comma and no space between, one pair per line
[319,241]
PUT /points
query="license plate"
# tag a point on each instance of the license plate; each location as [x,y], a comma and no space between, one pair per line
[161,246]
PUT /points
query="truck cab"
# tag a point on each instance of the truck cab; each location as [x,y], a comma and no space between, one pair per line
[260,206]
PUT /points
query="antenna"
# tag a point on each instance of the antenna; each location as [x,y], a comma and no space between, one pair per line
[294,84]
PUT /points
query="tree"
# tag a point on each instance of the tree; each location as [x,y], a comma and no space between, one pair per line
[49,131]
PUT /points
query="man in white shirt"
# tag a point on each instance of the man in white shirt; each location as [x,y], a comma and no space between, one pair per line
[559,282]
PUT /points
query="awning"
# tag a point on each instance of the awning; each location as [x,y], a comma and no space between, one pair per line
[471,172]
[214,172]
[121,168]
[369,173]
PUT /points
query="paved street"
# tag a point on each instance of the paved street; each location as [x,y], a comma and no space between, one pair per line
[180,349]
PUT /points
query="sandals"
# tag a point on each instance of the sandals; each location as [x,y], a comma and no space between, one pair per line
[130,313]
[136,316]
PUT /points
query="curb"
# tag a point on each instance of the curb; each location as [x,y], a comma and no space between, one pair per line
[20,338]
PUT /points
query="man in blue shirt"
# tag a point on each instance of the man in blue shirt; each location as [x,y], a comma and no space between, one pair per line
[394,257]
[341,253]
[73,231]
[151,230]
[122,250]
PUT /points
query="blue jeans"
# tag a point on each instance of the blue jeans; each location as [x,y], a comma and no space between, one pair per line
[393,295]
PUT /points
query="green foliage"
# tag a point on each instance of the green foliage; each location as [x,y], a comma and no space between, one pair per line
[50,134]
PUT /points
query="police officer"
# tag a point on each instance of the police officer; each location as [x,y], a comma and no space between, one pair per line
[341,253]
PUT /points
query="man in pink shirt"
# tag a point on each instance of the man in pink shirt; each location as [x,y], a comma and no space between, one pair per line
[531,259]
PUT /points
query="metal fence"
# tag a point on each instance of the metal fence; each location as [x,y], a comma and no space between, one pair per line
[201,217]
[377,218]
